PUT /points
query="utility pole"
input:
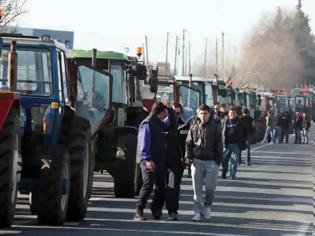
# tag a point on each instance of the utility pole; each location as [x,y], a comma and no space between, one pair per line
[147,50]
[222,70]
[166,56]
[189,59]
[186,61]
[144,51]
[175,62]
[205,59]
[216,55]
[183,52]
[299,6]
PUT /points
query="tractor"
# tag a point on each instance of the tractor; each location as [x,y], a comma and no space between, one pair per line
[133,93]
[10,159]
[59,117]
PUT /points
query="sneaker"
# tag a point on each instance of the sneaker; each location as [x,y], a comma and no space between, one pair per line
[233,178]
[172,216]
[139,216]
[207,213]
[156,213]
[197,217]
[249,164]
[223,176]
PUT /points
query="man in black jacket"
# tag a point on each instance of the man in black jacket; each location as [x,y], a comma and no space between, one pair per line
[248,123]
[175,163]
[233,136]
[204,151]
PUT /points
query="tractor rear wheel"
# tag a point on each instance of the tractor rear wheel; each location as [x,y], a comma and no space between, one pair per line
[52,194]
[82,169]
[10,167]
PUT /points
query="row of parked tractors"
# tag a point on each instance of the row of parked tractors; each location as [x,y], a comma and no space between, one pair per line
[62,116]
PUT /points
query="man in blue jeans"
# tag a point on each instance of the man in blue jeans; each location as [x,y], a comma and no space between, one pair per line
[233,136]
[204,152]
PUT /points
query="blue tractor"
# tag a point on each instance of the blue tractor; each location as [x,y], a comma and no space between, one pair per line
[59,117]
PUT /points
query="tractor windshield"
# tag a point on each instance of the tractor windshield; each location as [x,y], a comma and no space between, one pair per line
[165,92]
[190,100]
[93,95]
[209,94]
[33,71]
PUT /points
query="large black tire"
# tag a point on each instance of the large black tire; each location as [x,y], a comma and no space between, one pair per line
[52,194]
[10,167]
[125,179]
[82,169]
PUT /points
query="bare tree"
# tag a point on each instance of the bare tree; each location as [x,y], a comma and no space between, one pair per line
[272,57]
[11,9]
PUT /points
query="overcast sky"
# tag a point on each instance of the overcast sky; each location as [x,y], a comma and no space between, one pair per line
[117,24]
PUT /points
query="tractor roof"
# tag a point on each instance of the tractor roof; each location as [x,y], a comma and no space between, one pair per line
[31,40]
[110,55]
[194,79]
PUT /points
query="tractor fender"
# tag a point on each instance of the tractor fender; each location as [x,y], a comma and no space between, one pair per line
[124,130]
[8,100]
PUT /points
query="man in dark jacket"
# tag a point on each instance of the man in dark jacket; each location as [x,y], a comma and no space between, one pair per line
[249,125]
[204,151]
[218,115]
[175,162]
[298,122]
[233,136]
[151,154]
[284,122]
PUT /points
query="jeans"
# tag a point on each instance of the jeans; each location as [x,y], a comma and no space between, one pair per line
[298,138]
[204,173]
[304,135]
[232,151]
[272,133]
[278,133]
[248,143]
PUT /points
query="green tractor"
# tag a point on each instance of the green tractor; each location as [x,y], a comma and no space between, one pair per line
[116,142]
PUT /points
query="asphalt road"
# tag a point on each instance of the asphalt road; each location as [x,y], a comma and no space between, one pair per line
[274,196]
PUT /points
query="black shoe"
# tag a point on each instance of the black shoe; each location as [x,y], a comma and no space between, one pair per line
[249,164]
[233,178]
[223,176]
[156,213]
[173,216]
[139,216]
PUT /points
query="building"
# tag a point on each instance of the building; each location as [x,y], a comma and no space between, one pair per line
[62,36]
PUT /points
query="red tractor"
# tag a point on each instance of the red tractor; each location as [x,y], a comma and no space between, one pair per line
[10,159]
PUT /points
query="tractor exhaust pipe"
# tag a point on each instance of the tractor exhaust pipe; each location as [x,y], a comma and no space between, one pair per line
[94,51]
[12,67]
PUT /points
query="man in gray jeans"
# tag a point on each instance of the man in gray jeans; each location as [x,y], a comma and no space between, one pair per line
[204,150]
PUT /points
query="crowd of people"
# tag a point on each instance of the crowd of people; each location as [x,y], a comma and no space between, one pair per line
[214,138]
[278,127]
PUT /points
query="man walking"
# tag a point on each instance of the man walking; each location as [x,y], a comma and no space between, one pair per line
[249,125]
[233,136]
[204,151]
[152,156]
